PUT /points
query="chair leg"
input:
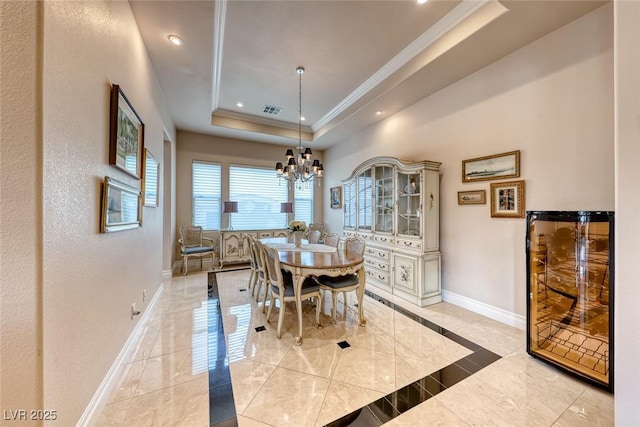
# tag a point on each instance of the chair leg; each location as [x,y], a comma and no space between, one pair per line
[185,264]
[266,290]
[259,285]
[271,304]
[334,297]
[280,315]
[318,304]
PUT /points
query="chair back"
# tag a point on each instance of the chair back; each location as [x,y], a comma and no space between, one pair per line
[252,250]
[354,245]
[332,240]
[314,236]
[191,235]
[272,261]
[260,257]
[316,226]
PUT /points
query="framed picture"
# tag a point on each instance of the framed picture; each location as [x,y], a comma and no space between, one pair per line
[121,206]
[498,166]
[151,179]
[336,197]
[477,197]
[507,199]
[126,135]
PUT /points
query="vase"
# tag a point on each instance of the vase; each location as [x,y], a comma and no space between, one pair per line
[297,238]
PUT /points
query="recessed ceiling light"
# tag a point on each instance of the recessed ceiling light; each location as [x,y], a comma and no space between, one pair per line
[176,40]
[240,104]
[302,118]
[421,1]
[378,112]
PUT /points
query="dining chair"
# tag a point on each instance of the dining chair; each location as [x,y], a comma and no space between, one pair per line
[313,227]
[314,237]
[332,240]
[253,264]
[345,283]
[193,243]
[263,274]
[282,288]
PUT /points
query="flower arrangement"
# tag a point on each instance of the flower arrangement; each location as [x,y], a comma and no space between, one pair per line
[297,226]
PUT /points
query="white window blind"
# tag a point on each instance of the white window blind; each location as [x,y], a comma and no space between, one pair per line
[259,194]
[207,190]
[303,203]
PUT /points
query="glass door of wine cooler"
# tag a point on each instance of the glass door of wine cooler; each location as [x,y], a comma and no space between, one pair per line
[570,290]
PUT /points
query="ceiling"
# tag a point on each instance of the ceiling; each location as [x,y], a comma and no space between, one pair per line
[361,57]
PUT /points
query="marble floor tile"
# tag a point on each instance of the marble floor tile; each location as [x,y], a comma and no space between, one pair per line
[167,378]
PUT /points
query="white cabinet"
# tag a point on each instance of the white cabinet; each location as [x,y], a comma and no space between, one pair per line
[234,247]
[394,206]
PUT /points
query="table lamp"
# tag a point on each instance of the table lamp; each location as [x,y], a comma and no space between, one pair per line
[229,207]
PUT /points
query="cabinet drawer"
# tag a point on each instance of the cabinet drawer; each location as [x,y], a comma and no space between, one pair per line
[387,240]
[377,264]
[265,234]
[377,253]
[367,237]
[378,277]
[409,244]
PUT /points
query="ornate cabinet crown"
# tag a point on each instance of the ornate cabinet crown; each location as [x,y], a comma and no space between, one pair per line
[394,206]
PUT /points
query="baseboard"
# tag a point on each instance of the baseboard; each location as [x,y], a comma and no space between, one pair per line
[110,381]
[495,313]
[167,274]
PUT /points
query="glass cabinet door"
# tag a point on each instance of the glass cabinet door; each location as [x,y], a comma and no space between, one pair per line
[383,195]
[409,204]
[570,282]
[364,200]
[349,204]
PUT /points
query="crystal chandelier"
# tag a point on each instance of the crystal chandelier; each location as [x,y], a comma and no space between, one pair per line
[300,168]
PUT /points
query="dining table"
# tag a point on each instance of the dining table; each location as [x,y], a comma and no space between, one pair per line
[317,260]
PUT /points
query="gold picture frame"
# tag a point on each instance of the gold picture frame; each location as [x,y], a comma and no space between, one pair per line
[121,206]
[476,197]
[336,197]
[507,199]
[497,166]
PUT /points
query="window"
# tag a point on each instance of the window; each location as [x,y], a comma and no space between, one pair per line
[303,203]
[259,194]
[206,195]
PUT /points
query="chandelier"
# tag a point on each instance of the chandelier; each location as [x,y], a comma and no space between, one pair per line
[299,167]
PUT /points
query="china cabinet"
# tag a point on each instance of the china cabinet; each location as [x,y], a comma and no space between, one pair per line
[394,206]
[234,248]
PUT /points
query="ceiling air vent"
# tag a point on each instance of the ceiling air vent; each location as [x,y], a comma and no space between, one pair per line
[272,110]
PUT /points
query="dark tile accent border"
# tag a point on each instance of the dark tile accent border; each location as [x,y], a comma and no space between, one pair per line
[344,344]
[405,398]
[260,328]
[222,408]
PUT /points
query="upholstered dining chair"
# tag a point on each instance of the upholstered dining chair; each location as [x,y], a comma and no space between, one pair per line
[313,227]
[346,283]
[281,288]
[193,243]
[314,236]
[263,273]
[332,240]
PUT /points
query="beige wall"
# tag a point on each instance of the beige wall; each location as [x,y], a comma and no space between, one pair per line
[21,208]
[70,287]
[553,101]
[192,146]
[627,267]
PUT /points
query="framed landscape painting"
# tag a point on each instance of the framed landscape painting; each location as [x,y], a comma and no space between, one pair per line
[126,135]
[478,197]
[507,199]
[497,166]
[121,206]
[336,197]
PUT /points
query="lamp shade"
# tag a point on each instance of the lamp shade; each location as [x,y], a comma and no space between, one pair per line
[229,207]
[286,207]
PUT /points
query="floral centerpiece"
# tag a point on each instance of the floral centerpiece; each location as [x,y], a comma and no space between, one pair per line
[297,228]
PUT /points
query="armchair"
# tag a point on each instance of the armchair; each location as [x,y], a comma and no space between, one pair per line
[193,243]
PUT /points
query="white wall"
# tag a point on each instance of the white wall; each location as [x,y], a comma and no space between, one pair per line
[70,288]
[553,101]
[627,267]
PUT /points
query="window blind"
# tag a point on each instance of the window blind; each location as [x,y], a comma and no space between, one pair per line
[303,203]
[206,178]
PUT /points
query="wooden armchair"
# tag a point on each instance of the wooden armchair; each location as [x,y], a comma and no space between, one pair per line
[193,243]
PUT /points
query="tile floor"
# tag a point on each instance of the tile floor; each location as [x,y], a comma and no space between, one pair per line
[453,367]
